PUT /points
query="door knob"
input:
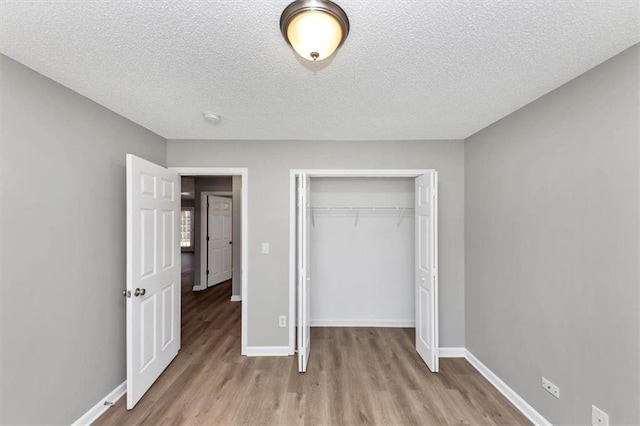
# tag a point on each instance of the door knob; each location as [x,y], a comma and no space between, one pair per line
[139,292]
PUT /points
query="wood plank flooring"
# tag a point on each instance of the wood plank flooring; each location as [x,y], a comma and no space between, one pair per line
[355,376]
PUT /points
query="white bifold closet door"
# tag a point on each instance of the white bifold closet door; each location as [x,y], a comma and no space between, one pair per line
[426,276]
[153,273]
[303,230]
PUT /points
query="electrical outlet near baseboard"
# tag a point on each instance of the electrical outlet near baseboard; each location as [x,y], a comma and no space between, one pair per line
[599,417]
[551,388]
[282,321]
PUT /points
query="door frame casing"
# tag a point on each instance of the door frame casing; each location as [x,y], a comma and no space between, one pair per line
[316,173]
[203,235]
[243,172]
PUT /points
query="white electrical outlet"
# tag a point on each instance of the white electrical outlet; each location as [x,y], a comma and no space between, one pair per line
[265,248]
[282,322]
[599,417]
[551,388]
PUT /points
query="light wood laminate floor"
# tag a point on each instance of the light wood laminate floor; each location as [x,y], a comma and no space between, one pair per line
[355,376]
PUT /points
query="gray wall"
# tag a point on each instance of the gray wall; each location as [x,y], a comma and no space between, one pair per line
[551,219]
[269,163]
[63,246]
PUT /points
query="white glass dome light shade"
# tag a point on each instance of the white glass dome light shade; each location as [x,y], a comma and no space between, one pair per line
[314,35]
[314,28]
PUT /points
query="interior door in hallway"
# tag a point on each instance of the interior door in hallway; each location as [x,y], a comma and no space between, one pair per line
[426,276]
[153,273]
[219,240]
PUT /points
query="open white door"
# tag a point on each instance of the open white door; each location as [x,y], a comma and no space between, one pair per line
[219,262]
[303,270]
[426,275]
[153,273]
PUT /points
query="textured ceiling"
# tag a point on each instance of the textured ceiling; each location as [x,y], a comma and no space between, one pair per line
[410,69]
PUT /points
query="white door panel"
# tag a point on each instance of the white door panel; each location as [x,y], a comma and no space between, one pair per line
[153,273]
[219,246]
[426,275]
[303,224]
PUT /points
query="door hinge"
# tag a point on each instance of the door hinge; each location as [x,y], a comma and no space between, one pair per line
[207,238]
[207,272]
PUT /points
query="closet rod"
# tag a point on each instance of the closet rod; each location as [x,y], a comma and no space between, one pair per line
[386,209]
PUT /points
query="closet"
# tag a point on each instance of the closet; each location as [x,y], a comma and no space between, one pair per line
[362,250]
[365,253]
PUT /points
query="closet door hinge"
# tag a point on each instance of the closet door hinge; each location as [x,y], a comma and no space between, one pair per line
[207,272]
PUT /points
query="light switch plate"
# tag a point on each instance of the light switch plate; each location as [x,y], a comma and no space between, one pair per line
[599,417]
[265,248]
[551,388]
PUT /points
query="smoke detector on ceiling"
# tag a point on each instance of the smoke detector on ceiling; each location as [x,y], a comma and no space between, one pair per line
[210,117]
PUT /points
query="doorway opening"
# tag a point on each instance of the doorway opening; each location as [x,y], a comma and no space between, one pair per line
[216,204]
[220,226]
[364,254]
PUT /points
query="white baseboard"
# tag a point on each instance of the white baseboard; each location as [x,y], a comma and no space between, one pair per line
[198,288]
[362,323]
[100,407]
[236,298]
[452,352]
[522,405]
[267,351]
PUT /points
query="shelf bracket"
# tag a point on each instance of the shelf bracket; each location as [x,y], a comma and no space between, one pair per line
[400,218]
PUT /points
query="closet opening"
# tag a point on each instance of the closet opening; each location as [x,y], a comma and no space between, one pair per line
[364,254]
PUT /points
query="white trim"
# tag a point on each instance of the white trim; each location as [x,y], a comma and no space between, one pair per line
[101,406]
[244,213]
[209,171]
[519,402]
[236,298]
[204,259]
[268,351]
[362,172]
[292,261]
[362,323]
[452,352]
[292,221]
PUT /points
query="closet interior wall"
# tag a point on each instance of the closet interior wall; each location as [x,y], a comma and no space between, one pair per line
[362,252]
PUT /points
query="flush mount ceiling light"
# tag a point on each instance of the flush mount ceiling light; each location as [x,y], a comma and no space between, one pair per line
[314,28]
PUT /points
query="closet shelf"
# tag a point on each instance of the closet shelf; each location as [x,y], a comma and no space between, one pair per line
[401,212]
